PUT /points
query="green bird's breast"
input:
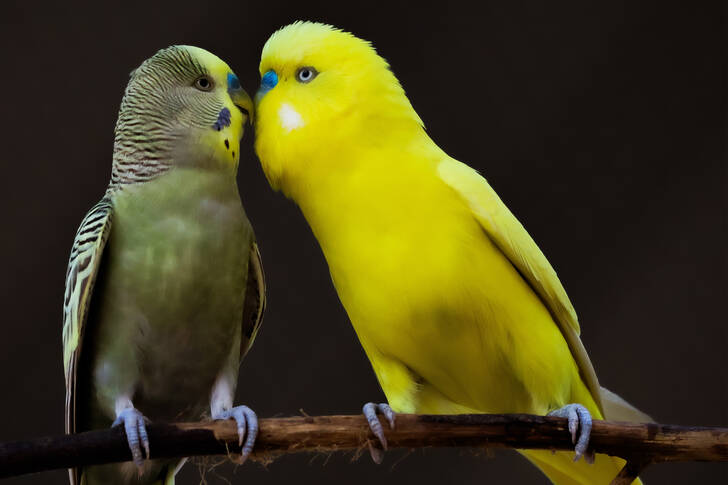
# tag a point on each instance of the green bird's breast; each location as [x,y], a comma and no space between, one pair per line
[171,293]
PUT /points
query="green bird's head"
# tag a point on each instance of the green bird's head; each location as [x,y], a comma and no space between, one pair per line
[183,107]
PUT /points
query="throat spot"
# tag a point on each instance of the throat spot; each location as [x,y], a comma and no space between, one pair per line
[290,118]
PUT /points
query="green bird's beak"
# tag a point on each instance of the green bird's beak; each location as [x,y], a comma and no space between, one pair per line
[240,98]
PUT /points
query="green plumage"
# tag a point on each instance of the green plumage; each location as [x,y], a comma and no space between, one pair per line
[164,293]
[168,308]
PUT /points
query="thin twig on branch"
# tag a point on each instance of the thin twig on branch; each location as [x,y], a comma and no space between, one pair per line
[639,444]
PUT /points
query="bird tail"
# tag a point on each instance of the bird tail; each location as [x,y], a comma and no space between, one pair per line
[561,469]
[127,474]
[172,471]
[617,409]
[168,477]
[560,466]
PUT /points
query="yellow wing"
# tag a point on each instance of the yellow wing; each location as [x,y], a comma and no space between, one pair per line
[502,227]
[83,267]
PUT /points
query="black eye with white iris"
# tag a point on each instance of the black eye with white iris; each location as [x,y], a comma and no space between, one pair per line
[306,74]
[204,83]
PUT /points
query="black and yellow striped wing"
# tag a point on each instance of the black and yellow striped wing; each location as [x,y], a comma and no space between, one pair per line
[83,267]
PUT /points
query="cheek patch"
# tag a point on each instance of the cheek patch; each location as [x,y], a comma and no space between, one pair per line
[223,120]
[290,118]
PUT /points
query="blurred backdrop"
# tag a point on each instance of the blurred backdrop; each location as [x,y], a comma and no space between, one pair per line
[601,124]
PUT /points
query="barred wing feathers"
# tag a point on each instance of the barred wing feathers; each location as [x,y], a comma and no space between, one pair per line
[83,266]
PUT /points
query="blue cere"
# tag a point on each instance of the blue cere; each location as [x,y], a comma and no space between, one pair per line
[268,82]
[223,119]
[233,82]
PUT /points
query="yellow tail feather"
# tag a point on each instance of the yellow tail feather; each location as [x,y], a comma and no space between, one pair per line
[562,470]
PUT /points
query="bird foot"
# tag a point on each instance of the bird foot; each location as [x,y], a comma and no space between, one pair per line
[579,420]
[370,411]
[247,422]
[136,433]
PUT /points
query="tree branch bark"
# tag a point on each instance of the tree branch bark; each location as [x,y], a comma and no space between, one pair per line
[639,444]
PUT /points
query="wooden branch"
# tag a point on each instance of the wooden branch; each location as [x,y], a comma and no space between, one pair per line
[639,444]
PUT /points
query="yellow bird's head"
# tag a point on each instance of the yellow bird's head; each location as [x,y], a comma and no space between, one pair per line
[322,89]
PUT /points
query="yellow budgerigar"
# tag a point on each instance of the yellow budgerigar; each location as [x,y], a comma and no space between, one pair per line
[456,307]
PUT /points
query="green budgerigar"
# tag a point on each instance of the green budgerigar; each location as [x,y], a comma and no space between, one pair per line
[164,290]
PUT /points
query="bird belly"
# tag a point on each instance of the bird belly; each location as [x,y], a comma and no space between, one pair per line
[455,312]
[170,309]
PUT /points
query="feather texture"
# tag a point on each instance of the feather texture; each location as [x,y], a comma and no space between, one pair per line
[161,307]
[455,305]
[83,266]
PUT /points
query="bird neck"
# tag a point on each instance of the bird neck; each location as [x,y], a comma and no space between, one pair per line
[368,187]
[144,156]
[130,168]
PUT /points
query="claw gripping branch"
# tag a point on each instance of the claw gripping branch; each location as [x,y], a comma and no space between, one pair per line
[639,444]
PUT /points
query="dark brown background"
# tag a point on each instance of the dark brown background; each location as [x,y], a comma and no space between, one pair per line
[602,127]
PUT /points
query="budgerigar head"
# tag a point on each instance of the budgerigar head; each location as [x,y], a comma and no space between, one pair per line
[320,88]
[183,107]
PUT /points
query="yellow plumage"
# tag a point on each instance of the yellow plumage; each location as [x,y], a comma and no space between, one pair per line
[455,306]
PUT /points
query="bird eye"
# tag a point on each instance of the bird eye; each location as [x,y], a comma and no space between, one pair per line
[203,83]
[306,74]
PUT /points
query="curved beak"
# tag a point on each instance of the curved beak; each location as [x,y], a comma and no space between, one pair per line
[244,103]
[240,98]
